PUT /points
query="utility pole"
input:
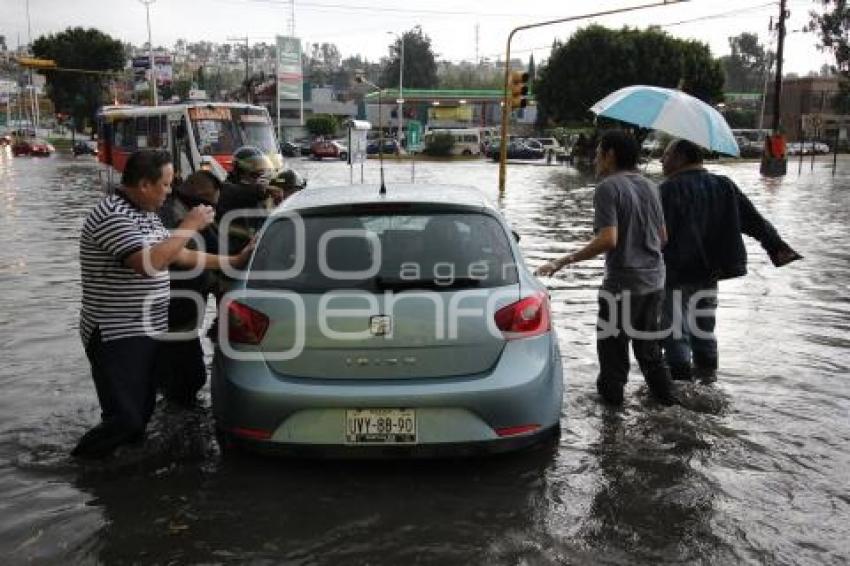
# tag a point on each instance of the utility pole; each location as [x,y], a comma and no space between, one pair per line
[154,95]
[477,60]
[777,85]
[34,97]
[774,161]
[400,100]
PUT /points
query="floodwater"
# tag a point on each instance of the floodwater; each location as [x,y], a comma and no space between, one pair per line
[754,471]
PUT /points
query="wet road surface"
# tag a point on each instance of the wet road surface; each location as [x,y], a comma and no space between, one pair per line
[757,472]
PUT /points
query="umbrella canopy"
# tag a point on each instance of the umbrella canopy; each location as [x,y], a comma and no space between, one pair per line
[670,111]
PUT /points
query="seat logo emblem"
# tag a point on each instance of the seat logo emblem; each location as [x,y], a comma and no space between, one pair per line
[380,325]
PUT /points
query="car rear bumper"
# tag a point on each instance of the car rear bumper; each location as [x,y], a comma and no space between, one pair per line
[525,387]
[423,451]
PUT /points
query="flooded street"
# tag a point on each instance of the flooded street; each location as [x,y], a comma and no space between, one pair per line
[755,472]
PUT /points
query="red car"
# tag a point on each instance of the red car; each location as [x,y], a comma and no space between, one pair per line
[35,147]
[328,148]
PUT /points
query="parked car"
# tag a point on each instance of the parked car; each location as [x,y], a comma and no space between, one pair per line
[369,349]
[328,148]
[551,147]
[517,149]
[390,147]
[85,147]
[652,147]
[32,146]
[290,149]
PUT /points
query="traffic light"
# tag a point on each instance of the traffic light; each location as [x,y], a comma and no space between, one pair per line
[519,89]
[33,63]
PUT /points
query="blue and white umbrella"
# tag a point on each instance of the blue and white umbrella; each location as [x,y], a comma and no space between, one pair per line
[670,111]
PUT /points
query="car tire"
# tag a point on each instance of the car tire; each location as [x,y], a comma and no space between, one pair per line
[466,153]
[343,156]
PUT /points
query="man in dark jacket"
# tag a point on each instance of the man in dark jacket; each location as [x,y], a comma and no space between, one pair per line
[183,372]
[705,214]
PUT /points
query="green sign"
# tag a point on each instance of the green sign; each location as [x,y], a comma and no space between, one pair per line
[414,135]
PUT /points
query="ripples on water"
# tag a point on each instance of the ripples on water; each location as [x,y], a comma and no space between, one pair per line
[756,473]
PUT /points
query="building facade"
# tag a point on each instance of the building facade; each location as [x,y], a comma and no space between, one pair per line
[808,111]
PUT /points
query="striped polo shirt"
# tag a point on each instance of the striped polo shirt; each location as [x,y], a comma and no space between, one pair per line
[116,299]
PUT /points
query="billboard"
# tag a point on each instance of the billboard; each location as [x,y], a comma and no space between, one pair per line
[164,69]
[289,74]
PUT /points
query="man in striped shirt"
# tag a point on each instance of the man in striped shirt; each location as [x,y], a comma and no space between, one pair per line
[125,252]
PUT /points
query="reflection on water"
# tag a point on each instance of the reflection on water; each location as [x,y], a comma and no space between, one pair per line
[755,470]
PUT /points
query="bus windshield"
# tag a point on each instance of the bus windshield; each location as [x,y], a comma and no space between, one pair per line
[256,129]
[223,130]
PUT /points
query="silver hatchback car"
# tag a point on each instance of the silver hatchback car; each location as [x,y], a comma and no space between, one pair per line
[404,324]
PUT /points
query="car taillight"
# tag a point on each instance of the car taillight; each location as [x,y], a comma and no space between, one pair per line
[244,324]
[517,430]
[525,318]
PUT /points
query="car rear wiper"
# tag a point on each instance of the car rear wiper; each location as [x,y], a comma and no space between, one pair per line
[397,284]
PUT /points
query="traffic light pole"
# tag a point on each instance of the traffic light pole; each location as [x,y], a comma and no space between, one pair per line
[506,102]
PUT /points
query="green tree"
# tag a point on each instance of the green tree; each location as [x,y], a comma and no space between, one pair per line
[467,75]
[420,64]
[832,25]
[745,68]
[321,125]
[597,61]
[79,94]
[322,63]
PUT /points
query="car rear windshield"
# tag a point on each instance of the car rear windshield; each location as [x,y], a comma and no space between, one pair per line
[385,252]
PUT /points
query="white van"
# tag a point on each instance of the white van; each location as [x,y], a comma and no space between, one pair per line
[467,140]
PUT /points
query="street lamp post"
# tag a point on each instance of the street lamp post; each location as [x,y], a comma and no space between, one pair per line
[154,94]
[506,101]
[400,100]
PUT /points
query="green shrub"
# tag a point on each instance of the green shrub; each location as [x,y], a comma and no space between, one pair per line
[321,125]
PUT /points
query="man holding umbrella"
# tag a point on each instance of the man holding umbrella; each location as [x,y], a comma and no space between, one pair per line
[705,215]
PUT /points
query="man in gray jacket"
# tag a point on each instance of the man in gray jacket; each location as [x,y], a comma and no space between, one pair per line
[629,229]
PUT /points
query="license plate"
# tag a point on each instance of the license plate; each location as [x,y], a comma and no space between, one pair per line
[380,426]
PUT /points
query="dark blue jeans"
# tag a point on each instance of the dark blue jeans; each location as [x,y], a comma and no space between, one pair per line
[124,372]
[690,315]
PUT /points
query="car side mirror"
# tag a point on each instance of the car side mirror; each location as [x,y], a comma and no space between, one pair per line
[516,236]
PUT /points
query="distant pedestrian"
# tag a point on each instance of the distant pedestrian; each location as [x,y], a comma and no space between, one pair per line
[629,230]
[706,214]
[125,252]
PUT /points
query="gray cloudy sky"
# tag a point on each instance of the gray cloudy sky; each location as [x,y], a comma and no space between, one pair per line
[361,26]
